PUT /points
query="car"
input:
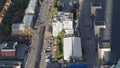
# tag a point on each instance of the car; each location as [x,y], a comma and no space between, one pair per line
[47,56]
[47,60]
[35,27]
[48,50]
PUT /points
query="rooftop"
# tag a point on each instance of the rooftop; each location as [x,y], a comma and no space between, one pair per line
[96,4]
[104,45]
[72,47]
[8,45]
[100,15]
[27,20]
[104,35]
[16,25]
[62,16]
[99,23]
[31,6]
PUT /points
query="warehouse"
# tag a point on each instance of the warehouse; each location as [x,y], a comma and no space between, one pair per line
[72,48]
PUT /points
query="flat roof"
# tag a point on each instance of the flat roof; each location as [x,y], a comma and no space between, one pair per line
[28,20]
[17,25]
[96,4]
[62,16]
[8,45]
[100,15]
[104,34]
[72,47]
[104,45]
[31,6]
[100,23]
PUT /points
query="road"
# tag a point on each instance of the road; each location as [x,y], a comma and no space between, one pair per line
[115,30]
[36,46]
[67,7]
[87,33]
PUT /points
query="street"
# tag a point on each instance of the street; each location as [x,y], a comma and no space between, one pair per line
[34,55]
[87,33]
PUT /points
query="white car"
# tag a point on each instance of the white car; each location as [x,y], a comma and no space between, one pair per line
[47,60]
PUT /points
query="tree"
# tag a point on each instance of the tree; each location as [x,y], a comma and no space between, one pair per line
[61,34]
[6,30]
[27,32]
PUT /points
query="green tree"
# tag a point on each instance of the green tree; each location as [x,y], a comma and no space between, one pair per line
[6,30]
[61,34]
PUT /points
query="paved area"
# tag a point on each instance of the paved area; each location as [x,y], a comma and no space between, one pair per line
[87,33]
[66,5]
[115,30]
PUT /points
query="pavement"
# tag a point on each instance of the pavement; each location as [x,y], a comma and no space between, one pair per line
[34,55]
[87,33]
[67,7]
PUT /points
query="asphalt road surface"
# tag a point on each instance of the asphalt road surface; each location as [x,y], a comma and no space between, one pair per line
[34,56]
[116,30]
[87,33]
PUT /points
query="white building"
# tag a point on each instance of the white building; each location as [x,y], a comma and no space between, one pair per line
[104,51]
[72,48]
[62,21]
[31,7]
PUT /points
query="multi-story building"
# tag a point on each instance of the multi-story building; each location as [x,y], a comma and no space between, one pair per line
[8,49]
[62,21]
[72,48]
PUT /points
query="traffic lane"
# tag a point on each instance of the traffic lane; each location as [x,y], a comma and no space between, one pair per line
[31,58]
[40,46]
[86,33]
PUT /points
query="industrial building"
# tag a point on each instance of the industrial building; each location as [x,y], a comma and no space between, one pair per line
[72,48]
[62,21]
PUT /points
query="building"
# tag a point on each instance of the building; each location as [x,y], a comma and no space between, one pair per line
[8,49]
[72,48]
[99,21]
[62,21]
[28,19]
[31,7]
[17,29]
[17,65]
[10,64]
[104,51]
[94,7]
